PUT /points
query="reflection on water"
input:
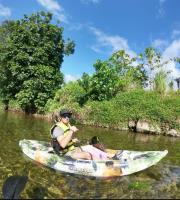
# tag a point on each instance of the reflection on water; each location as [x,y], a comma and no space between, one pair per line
[160,181]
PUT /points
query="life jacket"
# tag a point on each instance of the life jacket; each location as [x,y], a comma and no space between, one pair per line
[55,144]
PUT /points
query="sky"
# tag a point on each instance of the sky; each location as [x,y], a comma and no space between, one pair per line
[101,27]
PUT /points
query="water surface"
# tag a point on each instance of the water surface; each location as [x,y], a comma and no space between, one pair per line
[159,181]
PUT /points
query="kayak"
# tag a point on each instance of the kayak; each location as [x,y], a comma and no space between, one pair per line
[127,162]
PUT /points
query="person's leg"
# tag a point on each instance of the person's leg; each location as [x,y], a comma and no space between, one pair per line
[96,153]
[81,155]
[78,153]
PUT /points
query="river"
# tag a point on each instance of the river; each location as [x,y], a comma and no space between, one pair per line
[159,181]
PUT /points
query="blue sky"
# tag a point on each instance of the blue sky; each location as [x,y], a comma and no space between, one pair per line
[101,27]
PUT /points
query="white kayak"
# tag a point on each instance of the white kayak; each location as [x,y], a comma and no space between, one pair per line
[128,162]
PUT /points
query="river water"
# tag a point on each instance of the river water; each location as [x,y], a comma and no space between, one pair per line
[159,181]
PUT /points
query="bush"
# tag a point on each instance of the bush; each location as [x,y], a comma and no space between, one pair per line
[133,105]
[116,113]
[69,96]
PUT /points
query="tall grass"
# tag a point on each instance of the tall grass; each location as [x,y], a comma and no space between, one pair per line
[160,82]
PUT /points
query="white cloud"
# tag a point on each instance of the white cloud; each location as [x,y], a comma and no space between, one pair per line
[161,11]
[90,1]
[54,7]
[69,77]
[173,50]
[75,27]
[159,43]
[114,42]
[96,49]
[50,5]
[4,11]
[175,33]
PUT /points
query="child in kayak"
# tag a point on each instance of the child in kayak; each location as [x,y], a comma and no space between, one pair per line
[62,134]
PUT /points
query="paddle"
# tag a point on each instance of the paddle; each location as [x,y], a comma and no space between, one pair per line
[13,186]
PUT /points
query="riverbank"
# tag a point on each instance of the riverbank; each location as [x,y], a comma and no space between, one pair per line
[138,112]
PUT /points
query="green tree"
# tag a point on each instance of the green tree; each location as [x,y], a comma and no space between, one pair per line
[6,29]
[116,74]
[104,83]
[151,60]
[84,82]
[31,61]
[132,74]
[70,95]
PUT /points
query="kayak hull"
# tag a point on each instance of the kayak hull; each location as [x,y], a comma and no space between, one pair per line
[129,161]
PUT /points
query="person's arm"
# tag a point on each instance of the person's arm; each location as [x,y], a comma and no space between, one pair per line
[65,139]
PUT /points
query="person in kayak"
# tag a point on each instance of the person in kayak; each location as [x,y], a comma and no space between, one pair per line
[63,140]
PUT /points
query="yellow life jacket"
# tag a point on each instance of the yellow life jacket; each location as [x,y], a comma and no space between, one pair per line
[70,146]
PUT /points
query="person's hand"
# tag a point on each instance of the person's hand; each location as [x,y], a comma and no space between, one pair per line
[75,140]
[74,129]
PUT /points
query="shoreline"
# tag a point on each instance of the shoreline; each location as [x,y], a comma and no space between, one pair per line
[141,126]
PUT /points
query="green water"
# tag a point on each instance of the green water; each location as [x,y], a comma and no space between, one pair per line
[159,181]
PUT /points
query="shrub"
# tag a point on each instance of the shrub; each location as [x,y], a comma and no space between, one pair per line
[69,96]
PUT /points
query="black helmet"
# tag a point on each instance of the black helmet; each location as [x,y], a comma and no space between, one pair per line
[64,112]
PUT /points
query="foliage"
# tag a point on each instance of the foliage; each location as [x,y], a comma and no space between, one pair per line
[6,90]
[104,83]
[133,105]
[31,59]
[177,59]
[151,60]
[132,75]
[137,185]
[101,113]
[160,82]
[148,105]
[171,86]
[116,74]
[70,95]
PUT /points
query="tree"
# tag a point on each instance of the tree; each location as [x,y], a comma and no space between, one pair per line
[116,74]
[132,75]
[151,60]
[33,57]
[5,31]
[105,82]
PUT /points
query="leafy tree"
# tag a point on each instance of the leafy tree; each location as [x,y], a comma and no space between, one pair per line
[31,61]
[84,82]
[151,60]
[103,84]
[132,74]
[116,74]
[6,29]
[70,95]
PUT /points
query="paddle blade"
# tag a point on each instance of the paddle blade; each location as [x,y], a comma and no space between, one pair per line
[13,186]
